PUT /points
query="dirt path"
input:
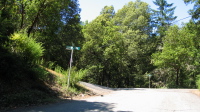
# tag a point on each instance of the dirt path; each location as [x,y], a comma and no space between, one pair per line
[100,90]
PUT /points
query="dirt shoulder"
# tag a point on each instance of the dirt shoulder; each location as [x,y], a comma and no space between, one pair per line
[97,89]
[196,92]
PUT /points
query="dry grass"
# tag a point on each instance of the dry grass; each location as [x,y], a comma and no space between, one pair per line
[30,91]
[53,72]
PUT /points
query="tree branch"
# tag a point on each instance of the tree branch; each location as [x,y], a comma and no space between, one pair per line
[41,9]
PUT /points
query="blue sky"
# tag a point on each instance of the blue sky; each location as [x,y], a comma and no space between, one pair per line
[90,9]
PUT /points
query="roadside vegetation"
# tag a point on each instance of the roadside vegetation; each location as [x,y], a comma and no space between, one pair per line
[118,49]
[122,48]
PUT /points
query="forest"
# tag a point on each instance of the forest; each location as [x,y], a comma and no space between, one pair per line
[123,49]
[118,49]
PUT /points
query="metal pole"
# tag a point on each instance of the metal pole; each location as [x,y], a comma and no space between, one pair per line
[70,65]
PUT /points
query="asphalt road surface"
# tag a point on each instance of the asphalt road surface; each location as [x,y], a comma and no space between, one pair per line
[129,100]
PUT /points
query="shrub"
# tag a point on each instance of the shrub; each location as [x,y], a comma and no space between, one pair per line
[26,47]
[61,80]
[75,76]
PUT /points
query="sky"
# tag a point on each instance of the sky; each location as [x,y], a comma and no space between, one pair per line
[90,9]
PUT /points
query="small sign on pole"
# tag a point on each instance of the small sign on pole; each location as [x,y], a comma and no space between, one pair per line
[77,48]
[72,48]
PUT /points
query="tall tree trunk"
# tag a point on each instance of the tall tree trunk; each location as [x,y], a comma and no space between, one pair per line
[33,23]
[108,79]
[99,77]
[177,76]
[41,9]
[103,77]
[22,16]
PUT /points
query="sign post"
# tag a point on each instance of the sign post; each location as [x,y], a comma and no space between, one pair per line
[72,48]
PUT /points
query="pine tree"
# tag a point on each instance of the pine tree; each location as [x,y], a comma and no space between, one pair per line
[163,16]
[195,12]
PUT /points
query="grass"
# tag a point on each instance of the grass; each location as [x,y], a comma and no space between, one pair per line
[23,84]
[30,90]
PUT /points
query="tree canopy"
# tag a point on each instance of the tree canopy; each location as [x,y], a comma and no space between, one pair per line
[118,49]
[163,16]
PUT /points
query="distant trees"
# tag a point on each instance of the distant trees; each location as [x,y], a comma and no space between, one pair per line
[99,46]
[134,21]
[118,49]
[178,57]
[195,27]
[163,16]
[179,53]
[195,12]
[118,46]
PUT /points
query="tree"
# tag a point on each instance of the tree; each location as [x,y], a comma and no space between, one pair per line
[57,27]
[8,15]
[178,51]
[52,23]
[134,21]
[195,12]
[118,46]
[194,28]
[100,35]
[163,16]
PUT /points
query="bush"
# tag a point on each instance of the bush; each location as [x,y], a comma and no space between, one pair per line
[63,79]
[75,76]
[19,59]
[26,47]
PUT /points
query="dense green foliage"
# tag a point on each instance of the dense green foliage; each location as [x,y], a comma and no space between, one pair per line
[195,12]
[34,33]
[163,18]
[26,47]
[39,30]
[118,46]
[179,53]
[122,48]
[194,27]
[114,49]
[118,49]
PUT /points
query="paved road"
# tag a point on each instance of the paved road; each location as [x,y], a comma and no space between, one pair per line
[131,100]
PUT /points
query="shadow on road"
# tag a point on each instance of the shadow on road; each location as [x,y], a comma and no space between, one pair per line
[70,106]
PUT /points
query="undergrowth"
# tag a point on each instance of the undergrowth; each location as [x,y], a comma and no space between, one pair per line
[35,86]
[75,76]
[24,82]
[198,81]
